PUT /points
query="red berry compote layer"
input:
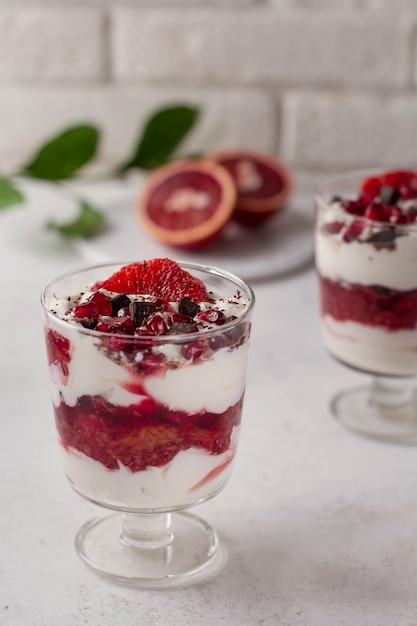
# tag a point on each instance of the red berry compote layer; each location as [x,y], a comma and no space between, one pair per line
[148,373]
[366,256]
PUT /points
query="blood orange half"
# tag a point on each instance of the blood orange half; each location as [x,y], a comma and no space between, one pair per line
[187,203]
[264,184]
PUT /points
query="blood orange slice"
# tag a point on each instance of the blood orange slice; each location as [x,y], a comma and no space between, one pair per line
[187,203]
[162,278]
[264,184]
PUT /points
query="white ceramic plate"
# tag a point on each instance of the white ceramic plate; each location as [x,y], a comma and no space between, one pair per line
[279,247]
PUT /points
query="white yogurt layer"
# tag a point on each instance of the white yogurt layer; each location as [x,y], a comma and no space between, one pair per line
[372,349]
[176,484]
[364,264]
[212,385]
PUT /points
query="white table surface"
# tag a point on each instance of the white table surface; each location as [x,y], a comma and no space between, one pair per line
[321,524]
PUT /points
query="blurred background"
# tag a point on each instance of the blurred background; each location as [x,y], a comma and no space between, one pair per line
[326,85]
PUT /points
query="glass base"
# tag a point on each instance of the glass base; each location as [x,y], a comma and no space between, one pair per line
[153,550]
[379,412]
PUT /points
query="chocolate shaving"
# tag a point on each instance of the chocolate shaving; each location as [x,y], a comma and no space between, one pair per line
[188,307]
[139,310]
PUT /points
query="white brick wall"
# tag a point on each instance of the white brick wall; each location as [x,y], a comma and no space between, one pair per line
[39,43]
[261,45]
[327,84]
[229,116]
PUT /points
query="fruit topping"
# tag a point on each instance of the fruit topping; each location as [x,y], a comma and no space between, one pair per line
[187,203]
[389,198]
[162,278]
[403,182]
[263,183]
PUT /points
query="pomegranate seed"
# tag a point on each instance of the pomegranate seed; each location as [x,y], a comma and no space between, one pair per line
[123,325]
[194,350]
[87,309]
[181,319]
[378,213]
[353,231]
[103,303]
[156,325]
[365,199]
[150,362]
[353,207]
[333,228]
[212,316]
[220,341]
[103,327]
[161,304]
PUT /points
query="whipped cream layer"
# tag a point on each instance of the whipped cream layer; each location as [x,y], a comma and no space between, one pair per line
[362,263]
[192,475]
[372,349]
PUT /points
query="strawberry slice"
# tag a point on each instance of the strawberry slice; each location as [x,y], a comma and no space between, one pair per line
[162,278]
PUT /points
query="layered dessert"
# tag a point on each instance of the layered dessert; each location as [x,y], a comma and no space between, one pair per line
[366,257]
[148,370]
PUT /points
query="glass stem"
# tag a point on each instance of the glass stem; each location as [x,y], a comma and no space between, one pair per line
[147,531]
[391,393]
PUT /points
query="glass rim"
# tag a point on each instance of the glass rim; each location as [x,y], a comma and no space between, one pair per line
[324,203]
[177,338]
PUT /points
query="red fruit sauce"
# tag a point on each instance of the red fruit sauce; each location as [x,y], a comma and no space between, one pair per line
[369,305]
[139,436]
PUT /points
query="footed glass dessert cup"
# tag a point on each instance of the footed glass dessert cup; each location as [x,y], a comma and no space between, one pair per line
[147,393]
[366,260]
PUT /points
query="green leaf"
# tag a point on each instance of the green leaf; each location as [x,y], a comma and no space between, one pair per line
[9,194]
[163,133]
[66,153]
[87,223]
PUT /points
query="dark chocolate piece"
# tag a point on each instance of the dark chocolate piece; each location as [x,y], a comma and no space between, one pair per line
[120,302]
[389,195]
[89,323]
[188,307]
[139,310]
[182,327]
[384,238]
[336,199]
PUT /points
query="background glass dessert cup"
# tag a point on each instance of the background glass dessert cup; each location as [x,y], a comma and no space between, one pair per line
[366,259]
[148,424]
